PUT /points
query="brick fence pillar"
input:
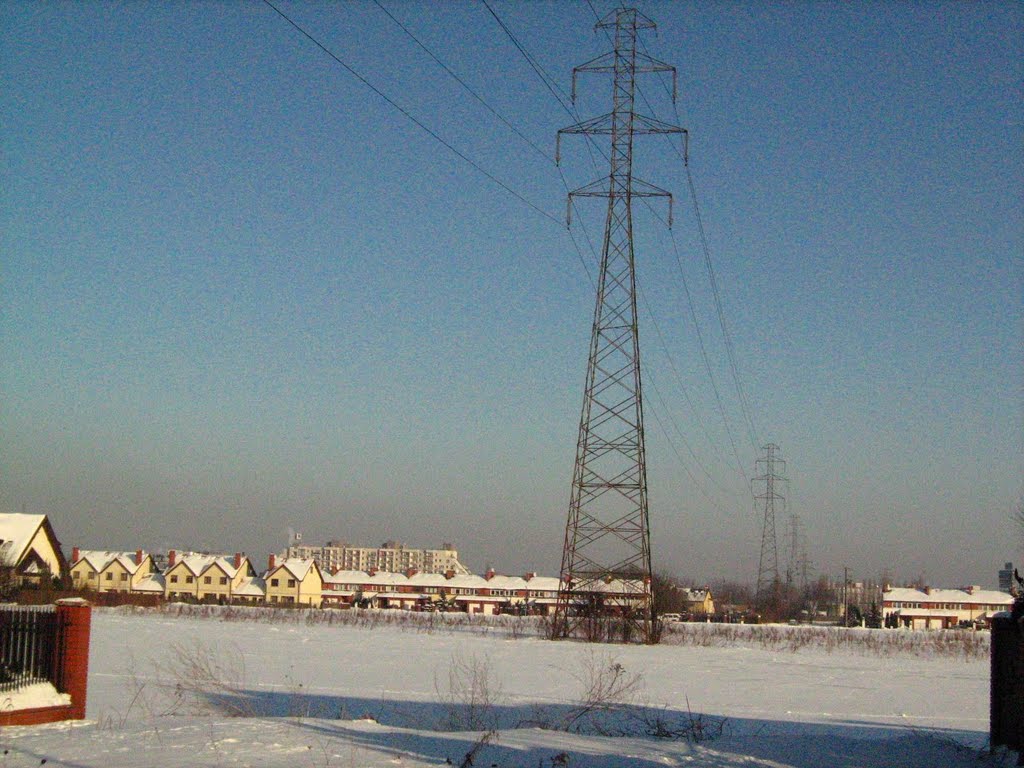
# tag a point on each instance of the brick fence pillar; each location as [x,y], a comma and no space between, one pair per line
[74,619]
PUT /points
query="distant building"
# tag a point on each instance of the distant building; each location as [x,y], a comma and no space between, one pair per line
[103,571]
[942,608]
[1006,578]
[389,556]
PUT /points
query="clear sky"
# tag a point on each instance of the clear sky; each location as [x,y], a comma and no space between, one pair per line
[241,292]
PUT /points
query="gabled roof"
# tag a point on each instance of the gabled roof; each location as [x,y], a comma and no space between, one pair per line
[16,533]
[199,563]
[297,566]
[99,560]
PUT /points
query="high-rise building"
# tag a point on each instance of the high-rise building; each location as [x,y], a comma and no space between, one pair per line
[1006,578]
[389,556]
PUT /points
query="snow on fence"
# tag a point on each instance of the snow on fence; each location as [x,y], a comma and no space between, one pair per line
[44,646]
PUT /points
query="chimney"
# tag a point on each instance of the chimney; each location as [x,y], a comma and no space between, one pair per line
[927,590]
[528,575]
[449,574]
[76,555]
[138,557]
[271,562]
[238,560]
[172,558]
[410,572]
[489,574]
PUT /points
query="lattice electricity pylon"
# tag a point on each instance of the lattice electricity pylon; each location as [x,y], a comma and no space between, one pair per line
[606,560]
[767,595]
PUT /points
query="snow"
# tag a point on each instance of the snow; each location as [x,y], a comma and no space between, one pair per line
[320,695]
[32,696]
[16,532]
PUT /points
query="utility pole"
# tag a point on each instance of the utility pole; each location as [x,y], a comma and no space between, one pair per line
[773,481]
[606,557]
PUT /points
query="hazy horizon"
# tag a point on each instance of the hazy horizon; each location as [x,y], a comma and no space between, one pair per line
[241,293]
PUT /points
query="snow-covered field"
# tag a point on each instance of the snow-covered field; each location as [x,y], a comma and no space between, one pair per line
[167,690]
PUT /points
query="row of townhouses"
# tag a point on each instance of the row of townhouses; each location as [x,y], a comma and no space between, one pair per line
[189,576]
[930,608]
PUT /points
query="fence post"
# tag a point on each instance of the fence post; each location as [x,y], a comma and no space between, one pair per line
[74,620]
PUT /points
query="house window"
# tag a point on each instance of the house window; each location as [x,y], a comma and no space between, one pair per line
[174,579]
[207,580]
[110,577]
[273,582]
[92,574]
[124,577]
[291,582]
[223,580]
[188,579]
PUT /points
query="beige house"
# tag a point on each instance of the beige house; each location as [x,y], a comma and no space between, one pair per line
[699,602]
[102,571]
[30,554]
[294,581]
[204,577]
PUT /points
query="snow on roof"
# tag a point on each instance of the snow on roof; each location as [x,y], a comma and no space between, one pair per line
[199,562]
[507,582]
[962,596]
[543,584]
[346,577]
[298,567]
[468,580]
[154,582]
[99,559]
[253,586]
[383,578]
[16,532]
[428,579]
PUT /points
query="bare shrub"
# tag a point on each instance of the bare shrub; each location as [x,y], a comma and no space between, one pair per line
[688,726]
[470,695]
[200,680]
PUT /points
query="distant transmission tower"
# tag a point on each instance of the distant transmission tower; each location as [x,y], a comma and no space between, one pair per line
[767,495]
[606,560]
[793,550]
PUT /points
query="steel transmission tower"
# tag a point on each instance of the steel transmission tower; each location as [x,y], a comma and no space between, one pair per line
[766,489]
[606,559]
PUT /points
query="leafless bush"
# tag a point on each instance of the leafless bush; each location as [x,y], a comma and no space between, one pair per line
[688,726]
[605,691]
[200,680]
[470,695]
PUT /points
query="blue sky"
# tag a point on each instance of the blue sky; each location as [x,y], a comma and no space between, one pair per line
[242,293]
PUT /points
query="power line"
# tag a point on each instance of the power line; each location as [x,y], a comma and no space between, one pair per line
[472,163]
[465,85]
[727,337]
[545,78]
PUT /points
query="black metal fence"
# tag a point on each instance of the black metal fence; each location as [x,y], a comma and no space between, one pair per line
[28,643]
[1007,693]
